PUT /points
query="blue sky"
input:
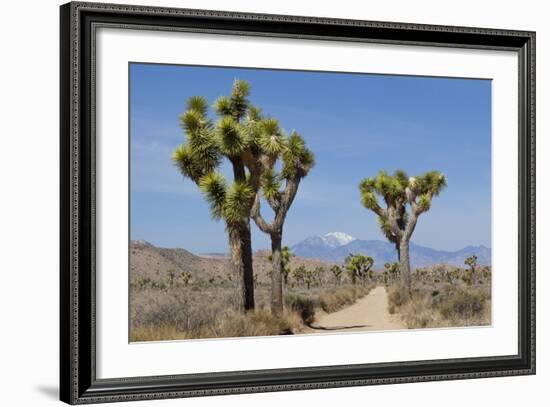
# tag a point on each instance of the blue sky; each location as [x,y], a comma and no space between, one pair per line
[356,124]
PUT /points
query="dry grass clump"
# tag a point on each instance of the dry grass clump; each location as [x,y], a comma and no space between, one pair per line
[442,305]
[226,324]
[464,305]
[302,306]
[396,298]
[255,323]
[334,300]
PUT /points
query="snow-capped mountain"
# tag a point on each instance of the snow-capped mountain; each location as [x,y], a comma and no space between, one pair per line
[335,239]
[335,246]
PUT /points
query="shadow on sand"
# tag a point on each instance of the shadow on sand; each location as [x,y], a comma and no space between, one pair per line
[336,328]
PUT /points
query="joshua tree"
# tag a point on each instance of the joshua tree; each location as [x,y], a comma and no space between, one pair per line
[171,277]
[299,274]
[359,266]
[279,188]
[253,144]
[472,263]
[185,277]
[199,159]
[309,278]
[405,198]
[392,269]
[337,273]
[319,275]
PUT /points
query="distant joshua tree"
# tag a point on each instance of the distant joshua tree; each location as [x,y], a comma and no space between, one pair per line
[185,276]
[171,277]
[392,270]
[337,273]
[359,266]
[299,275]
[397,220]
[472,263]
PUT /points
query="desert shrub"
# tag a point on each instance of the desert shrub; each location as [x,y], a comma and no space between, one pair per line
[397,296]
[332,301]
[202,310]
[303,306]
[255,323]
[228,323]
[463,304]
[442,303]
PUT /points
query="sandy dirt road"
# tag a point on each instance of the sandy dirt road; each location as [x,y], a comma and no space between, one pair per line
[370,313]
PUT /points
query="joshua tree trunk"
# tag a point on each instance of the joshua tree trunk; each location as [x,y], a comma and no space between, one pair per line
[241,264]
[248,277]
[398,248]
[243,268]
[277,273]
[405,266]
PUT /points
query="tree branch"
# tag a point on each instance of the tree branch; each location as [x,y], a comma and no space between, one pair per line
[258,218]
[286,199]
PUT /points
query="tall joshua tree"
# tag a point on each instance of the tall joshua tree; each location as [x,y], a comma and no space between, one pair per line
[405,199]
[199,158]
[279,188]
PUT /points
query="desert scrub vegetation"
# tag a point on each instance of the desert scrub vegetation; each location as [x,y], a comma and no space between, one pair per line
[202,312]
[442,297]
[207,310]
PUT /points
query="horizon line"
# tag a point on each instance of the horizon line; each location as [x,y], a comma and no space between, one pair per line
[268,249]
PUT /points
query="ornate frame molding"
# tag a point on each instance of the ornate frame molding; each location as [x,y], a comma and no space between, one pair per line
[77,176]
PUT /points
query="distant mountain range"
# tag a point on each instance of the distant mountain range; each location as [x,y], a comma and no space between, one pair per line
[335,246]
[149,261]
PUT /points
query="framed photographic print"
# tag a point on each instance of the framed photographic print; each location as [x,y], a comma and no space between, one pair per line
[255,203]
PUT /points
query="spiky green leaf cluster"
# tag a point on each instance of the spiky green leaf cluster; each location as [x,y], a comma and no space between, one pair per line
[270,184]
[386,228]
[184,160]
[232,202]
[390,188]
[432,182]
[254,113]
[238,201]
[424,202]
[194,163]
[239,101]
[298,160]
[231,138]
[197,104]
[222,106]
[270,138]
[199,155]
[213,186]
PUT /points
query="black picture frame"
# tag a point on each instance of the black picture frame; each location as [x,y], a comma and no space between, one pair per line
[78,382]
